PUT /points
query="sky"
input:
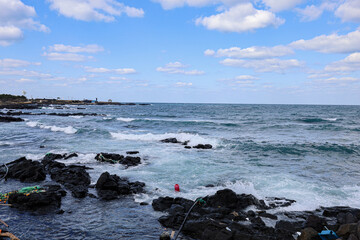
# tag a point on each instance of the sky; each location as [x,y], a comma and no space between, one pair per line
[186,51]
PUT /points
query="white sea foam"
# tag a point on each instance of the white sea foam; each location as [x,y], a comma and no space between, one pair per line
[67,130]
[76,116]
[331,119]
[193,138]
[107,118]
[125,119]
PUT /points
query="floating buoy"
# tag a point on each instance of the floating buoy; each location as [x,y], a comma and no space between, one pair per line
[177,188]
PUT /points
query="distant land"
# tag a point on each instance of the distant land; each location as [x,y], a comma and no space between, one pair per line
[14,101]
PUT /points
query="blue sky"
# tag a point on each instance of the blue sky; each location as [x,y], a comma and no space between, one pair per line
[205,51]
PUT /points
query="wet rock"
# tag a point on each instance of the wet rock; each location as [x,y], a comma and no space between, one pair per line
[144,204]
[346,229]
[74,178]
[203,146]
[315,222]
[187,147]
[52,156]
[11,119]
[42,146]
[132,152]
[268,215]
[352,237]
[170,140]
[43,201]
[111,187]
[70,156]
[289,226]
[275,202]
[308,234]
[114,158]
[26,170]
[165,236]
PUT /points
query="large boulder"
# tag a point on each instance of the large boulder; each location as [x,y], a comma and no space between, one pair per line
[111,187]
[26,170]
[203,146]
[44,200]
[113,158]
[75,178]
[10,119]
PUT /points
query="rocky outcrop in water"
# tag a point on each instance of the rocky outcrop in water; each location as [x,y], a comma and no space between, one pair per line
[203,146]
[111,187]
[26,170]
[73,177]
[10,119]
[113,158]
[199,146]
[43,201]
[225,217]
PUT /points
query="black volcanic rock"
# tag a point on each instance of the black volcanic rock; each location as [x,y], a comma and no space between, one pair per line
[170,140]
[47,199]
[111,187]
[114,158]
[203,146]
[26,170]
[10,119]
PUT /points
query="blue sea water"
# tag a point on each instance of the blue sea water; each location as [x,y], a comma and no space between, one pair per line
[307,153]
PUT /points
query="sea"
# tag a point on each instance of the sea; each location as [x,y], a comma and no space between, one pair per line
[308,153]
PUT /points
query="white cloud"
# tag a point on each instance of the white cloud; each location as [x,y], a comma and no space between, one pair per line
[15,16]
[183,84]
[91,48]
[106,70]
[24,80]
[264,65]
[280,5]
[251,52]
[94,10]
[312,12]
[178,68]
[349,11]
[333,43]
[61,52]
[240,18]
[246,77]
[72,57]
[350,64]
[14,63]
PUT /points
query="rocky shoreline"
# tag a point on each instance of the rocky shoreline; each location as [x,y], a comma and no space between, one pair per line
[222,216]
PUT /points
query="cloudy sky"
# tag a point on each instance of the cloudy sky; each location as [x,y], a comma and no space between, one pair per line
[218,51]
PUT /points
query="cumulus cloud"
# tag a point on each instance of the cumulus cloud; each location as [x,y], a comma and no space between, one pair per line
[107,70]
[280,5]
[264,65]
[183,84]
[349,11]
[178,68]
[251,52]
[14,17]
[61,52]
[350,64]
[91,48]
[94,10]
[333,43]
[312,12]
[15,63]
[240,18]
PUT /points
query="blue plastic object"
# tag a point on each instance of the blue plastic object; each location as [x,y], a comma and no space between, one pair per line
[328,235]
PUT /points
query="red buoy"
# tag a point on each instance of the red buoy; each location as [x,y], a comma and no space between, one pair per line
[177,188]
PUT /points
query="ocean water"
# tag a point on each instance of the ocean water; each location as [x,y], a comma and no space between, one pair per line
[307,153]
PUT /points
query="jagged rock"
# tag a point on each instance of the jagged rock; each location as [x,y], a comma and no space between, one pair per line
[46,201]
[346,229]
[70,156]
[203,146]
[73,177]
[170,140]
[11,119]
[26,170]
[315,222]
[113,158]
[275,202]
[110,187]
[268,215]
[289,226]
[132,152]
[352,237]
[308,234]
